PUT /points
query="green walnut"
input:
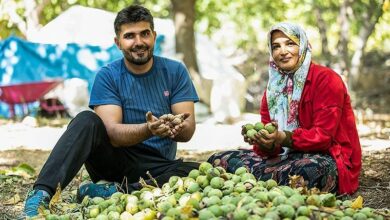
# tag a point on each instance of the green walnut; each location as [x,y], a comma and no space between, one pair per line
[328,200]
[270,128]
[204,166]
[259,126]
[251,133]
[249,126]
[194,174]
[241,170]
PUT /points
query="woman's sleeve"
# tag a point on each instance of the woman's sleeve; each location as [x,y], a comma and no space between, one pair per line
[264,113]
[326,104]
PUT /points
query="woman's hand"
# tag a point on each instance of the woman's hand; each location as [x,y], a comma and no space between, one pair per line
[270,139]
[257,139]
[243,133]
[264,139]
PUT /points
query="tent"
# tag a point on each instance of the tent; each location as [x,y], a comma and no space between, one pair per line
[88,33]
[25,64]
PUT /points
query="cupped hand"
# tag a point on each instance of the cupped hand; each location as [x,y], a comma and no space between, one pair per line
[156,126]
[179,127]
[246,138]
[263,138]
[270,139]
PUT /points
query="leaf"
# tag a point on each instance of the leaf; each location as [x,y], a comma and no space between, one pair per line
[187,210]
[328,209]
[4,177]
[56,198]
[357,203]
[386,5]
[12,201]
[22,170]
[18,173]
[296,181]
[27,168]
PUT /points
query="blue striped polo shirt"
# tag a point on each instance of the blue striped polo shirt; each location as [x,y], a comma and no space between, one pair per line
[165,84]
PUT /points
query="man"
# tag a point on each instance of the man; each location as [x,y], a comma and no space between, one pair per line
[126,138]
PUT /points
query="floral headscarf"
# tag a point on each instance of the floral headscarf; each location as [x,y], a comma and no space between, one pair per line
[284,89]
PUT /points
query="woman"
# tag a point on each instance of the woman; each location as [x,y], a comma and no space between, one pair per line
[316,134]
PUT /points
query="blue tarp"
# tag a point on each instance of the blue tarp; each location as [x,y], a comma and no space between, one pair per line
[22,61]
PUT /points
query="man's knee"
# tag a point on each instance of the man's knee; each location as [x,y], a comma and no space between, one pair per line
[188,166]
[87,118]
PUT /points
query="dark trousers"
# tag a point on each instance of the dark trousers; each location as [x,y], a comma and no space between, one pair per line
[85,141]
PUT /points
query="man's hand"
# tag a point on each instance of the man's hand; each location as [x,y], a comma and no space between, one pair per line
[175,123]
[157,126]
[178,125]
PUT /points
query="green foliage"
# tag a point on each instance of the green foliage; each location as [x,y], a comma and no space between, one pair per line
[53,8]
[249,19]
[22,170]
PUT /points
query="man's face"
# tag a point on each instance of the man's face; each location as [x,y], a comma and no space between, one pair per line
[136,40]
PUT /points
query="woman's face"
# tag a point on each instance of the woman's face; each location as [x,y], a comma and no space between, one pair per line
[285,52]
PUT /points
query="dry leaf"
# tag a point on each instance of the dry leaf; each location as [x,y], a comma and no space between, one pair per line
[296,181]
[22,170]
[357,203]
[56,198]
[329,209]
[12,201]
[187,210]
[26,168]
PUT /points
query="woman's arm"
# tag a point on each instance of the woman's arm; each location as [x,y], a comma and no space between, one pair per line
[322,114]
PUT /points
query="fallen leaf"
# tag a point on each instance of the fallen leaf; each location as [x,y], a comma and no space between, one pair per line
[328,209]
[56,198]
[27,168]
[187,210]
[357,203]
[12,201]
[22,170]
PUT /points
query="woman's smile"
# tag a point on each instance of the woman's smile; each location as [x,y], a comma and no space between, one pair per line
[284,51]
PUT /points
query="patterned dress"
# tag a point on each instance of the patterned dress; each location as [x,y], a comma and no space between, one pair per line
[317,169]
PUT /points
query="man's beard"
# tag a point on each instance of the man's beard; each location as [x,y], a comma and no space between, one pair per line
[138,60]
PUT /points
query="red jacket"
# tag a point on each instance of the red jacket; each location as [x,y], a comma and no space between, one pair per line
[326,124]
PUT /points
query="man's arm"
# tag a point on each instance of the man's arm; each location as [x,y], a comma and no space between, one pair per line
[187,130]
[127,134]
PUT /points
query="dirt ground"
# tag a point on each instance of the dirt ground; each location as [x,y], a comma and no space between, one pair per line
[374,179]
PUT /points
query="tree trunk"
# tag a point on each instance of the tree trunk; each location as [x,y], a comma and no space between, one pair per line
[33,12]
[370,19]
[29,23]
[344,39]
[322,28]
[184,18]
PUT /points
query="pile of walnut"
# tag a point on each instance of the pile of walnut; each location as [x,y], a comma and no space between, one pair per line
[171,120]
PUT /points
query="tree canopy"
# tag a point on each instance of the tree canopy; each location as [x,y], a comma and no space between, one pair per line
[340,30]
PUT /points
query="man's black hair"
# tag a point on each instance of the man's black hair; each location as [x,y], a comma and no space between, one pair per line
[132,14]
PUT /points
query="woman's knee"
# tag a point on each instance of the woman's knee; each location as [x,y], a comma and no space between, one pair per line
[229,160]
